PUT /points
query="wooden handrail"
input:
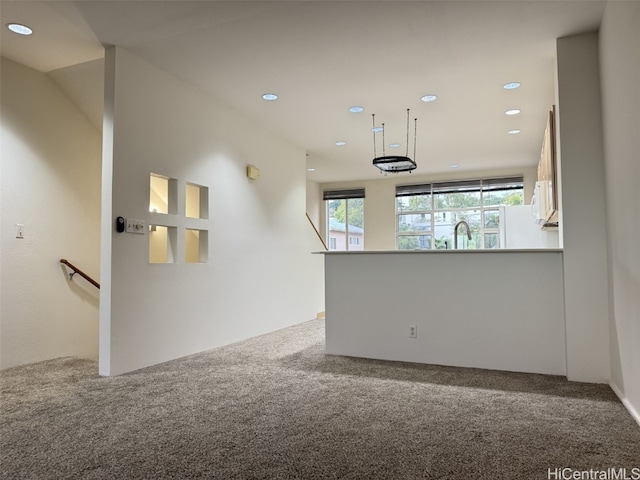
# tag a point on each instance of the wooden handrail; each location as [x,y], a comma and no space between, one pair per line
[79,272]
[317,232]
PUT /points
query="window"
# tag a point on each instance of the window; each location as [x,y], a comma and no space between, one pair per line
[345,219]
[426,215]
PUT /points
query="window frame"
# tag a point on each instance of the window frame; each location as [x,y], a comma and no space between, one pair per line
[346,195]
[482,185]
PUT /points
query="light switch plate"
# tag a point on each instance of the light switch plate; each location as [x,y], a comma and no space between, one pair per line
[135,226]
[19,230]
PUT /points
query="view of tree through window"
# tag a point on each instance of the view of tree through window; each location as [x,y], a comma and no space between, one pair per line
[345,219]
[426,215]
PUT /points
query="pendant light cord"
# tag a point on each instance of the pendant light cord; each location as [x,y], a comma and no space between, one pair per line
[383,147]
[407,154]
[415,136]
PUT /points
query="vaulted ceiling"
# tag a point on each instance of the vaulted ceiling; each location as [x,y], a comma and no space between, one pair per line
[322,57]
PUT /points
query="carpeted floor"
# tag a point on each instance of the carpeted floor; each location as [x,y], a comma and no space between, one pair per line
[275,407]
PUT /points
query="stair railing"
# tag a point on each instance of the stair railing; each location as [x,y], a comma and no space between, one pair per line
[75,270]
[317,232]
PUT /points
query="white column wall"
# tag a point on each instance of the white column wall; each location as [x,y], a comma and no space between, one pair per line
[620,77]
[50,183]
[582,208]
[260,274]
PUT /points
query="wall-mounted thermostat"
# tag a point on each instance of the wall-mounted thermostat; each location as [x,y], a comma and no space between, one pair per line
[253,172]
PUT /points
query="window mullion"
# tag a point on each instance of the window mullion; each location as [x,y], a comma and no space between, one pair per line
[346,223]
[431,215]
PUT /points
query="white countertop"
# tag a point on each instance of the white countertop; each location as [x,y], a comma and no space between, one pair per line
[431,252]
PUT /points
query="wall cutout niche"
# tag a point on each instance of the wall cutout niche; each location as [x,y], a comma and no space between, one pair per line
[163,202]
[196,238]
[168,217]
[196,201]
[163,194]
[196,246]
[162,243]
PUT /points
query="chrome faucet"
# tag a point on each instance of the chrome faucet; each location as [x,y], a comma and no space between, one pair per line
[455,233]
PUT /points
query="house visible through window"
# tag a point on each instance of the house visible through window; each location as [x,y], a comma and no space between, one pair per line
[426,215]
[345,219]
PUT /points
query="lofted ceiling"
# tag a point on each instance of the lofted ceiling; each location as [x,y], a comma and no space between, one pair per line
[322,57]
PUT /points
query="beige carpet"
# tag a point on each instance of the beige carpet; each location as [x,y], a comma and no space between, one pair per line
[275,407]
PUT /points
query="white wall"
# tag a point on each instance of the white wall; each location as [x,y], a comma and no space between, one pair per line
[582,208]
[260,276]
[494,309]
[620,79]
[379,206]
[50,182]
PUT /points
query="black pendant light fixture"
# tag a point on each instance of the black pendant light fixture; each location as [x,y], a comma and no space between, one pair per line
[394,163]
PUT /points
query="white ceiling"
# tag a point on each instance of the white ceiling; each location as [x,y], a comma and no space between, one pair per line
[322,57]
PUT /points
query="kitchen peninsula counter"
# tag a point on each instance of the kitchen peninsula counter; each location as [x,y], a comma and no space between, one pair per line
[402,252]
[497,309]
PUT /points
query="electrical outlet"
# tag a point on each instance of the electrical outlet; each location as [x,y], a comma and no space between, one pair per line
[413,331]
[19,230]
[135,226]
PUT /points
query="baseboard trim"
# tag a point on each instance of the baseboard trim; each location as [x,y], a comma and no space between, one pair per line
[634,413]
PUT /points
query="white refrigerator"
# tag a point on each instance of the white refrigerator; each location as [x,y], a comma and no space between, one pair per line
[518,229]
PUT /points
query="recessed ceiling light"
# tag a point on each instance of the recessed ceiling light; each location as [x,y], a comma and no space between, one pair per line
[377,129]
[454,165]
[356,109]
[513,111]
[270,96]
[311,169]
[511,85]
[515,131]
[340,143]
[394,145]
[19,29]
[429,98]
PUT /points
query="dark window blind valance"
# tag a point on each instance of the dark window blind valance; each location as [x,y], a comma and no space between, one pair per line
[507,183]
[454,187]
[343,194]
[409,190]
